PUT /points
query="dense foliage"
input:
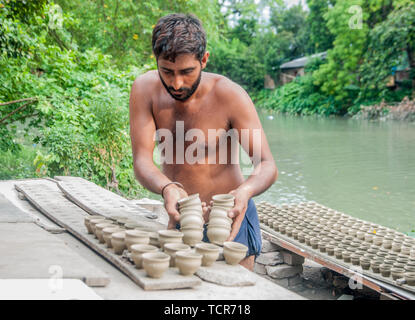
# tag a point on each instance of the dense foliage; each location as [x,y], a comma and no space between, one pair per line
[67,68]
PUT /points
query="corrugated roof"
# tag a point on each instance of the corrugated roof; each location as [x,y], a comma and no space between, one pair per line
[301,62]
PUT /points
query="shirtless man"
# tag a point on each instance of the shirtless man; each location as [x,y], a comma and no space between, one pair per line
[178,92]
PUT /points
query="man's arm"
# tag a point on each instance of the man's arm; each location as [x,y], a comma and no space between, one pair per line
[142,131]
[245,120]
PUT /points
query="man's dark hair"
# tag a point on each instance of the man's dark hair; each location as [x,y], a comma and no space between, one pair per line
[177,34]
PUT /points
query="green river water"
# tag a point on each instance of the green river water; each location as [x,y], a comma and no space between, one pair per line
[363,168]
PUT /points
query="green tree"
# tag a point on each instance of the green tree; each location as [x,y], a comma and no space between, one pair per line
[389,41]
[321,39]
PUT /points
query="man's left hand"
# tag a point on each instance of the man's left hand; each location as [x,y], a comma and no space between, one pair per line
[237,213]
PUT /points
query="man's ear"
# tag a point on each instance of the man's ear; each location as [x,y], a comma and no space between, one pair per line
[205,59]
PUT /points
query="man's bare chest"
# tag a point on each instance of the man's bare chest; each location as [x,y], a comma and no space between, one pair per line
[207,127]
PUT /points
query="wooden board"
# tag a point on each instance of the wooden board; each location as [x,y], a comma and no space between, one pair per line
[47,197]
[29,252]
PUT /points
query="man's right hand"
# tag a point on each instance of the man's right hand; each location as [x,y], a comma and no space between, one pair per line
[172,194]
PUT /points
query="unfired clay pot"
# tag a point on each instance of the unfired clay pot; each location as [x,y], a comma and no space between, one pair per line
[118,242]
[107,232]
[172,248]
[218,233]
[209,251]
[223,199]
[225,221]
[155,263]
[234,252]
[191,219]
[169,236]
[192,235]
[190,201]
[154,239]
[188,262]
[98,230]
[94,221]
[136,237]
[397,273]
[87,225]
[410,278]
[137,250]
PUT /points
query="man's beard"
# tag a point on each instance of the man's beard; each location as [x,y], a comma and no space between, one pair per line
[187,92]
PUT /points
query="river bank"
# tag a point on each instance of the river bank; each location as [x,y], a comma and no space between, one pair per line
[402,111]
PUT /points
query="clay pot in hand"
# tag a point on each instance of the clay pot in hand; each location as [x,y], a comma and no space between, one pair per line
[136,237]
[192,235]
[191,219]
[188,262]
[218,233]
[137,250]
[169,236]
[223,212]
[234,252]
[225,200]
[172,248]
[209,251]
[98,230]
[155,263]
[107,232]
[192,201]
[225,221]
[118,242]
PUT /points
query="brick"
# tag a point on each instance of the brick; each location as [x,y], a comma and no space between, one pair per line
[270,258]
[260,268]
[292,259]
[268,246]
[283,271]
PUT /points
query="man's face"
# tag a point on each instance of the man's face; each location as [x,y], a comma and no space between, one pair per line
[182,77]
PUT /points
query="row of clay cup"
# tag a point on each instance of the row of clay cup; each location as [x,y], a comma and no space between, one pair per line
[191,219]
[219,225]
[151,258]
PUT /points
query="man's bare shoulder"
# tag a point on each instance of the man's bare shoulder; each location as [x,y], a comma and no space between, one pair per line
[231,93]
[228,90]
[146,83]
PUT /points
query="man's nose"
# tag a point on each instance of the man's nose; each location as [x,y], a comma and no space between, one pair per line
[177,83]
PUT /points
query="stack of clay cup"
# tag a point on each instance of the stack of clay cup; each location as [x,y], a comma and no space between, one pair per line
[191,219]
[219,226]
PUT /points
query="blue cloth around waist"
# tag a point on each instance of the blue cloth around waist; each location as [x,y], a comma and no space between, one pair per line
[249,233]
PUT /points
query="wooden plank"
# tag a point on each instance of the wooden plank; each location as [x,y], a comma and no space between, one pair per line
[47,197]
[29,252]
